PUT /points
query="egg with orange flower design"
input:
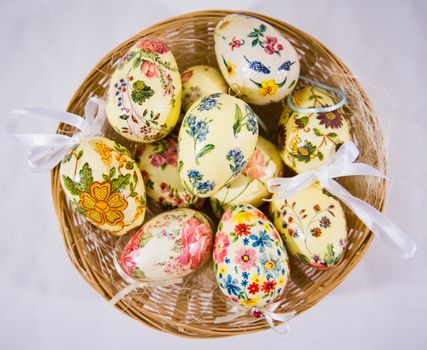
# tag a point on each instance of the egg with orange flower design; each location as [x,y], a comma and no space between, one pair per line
[102,181]
[250,260]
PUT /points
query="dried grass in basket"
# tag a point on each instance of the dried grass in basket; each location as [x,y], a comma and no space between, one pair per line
[189,308]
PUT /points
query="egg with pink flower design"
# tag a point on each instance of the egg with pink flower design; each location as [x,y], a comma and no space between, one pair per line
[250,187]
[144,97]
[256,60]
[169,246]
[158,163]
[250,260]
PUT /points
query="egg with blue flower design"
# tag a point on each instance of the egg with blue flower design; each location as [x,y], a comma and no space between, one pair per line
[217,138]
[250,260]
[255,59]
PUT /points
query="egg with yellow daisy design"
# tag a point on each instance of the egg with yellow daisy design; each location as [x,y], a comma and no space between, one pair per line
[250,260]
[255,59]
[102,181]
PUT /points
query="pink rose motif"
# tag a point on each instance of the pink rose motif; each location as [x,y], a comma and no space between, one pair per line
[196,243]
[149,69]
[271,45]
[164,187]
[145,176]
[255,169]
[226,216]
[221,243]
[186,76]
[153,45]
[245,258]
[157,160]
[130,252]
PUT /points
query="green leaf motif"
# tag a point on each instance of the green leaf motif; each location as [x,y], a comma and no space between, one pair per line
[141,92]
[332,135]
[120,183]
[205,150]
[330,255]
[254,42]
[180,165]
[320,155]
[86,177]
[238,117]
[317,132]
[112,172]
[70,185]
[124,117]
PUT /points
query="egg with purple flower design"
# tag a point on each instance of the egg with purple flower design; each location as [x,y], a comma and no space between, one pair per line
[255,59]
[217,138]
[250,260]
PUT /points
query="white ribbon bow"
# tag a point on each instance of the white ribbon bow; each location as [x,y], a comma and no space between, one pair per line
[47,150]
[342,164]
[267,312]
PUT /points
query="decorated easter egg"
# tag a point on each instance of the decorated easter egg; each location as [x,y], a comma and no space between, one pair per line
[169,246]
[104,184]
[250,187]
[308,140]
[199,81]
[144,97]
[158,162]
[313,226]
[250,261]
[255,59]
[217,138]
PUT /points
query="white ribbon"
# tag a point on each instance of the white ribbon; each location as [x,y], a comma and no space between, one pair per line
[47,150]
[267,312]
[341,164]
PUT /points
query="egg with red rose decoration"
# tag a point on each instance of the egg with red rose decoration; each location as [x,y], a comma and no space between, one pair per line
[250,260]
[158,162]
[255,59]
[169,246]
[144,97]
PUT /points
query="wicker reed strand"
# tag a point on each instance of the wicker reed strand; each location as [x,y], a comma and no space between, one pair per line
[189,308]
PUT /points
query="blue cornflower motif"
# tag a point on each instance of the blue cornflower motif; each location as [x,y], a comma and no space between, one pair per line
[205,186]
[286,65]
[261,241]
[208,102]
[270,264]
[244,283]
[245,241]
[235,156]
[227,260]
[201,130]
[194,175]
[245,275]
[230,285]
[257,66]
[252,124]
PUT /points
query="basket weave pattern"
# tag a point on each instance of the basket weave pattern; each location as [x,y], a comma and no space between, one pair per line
[189,308]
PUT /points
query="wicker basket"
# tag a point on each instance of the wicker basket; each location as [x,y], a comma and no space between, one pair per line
[189,308]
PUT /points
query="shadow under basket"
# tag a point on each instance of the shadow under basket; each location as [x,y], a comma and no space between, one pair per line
[189,308]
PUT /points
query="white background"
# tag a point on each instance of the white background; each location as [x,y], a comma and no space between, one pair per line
[48,47]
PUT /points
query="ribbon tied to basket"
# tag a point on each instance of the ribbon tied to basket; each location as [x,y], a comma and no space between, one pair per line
[342,164]
[47,150]
[267,312]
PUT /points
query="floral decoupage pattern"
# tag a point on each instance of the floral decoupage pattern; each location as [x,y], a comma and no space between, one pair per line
[144,97]
[217,137]
[307,140]
[104,184]
[313,226]
[169,246]
[199,81]
[158,162]
[256,59]
[250,261]
[250,187]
